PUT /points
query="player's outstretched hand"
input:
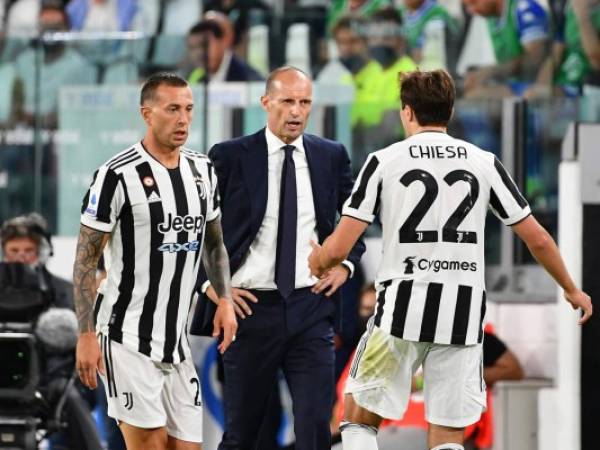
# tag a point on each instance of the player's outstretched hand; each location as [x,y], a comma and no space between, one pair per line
[88,359]
[225,322]
[331,280]
[313,260]
[579,299]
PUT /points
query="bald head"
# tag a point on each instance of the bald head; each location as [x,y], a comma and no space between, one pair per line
[287,73]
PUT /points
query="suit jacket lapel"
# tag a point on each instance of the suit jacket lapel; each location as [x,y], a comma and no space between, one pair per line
[254,167]
[317,165]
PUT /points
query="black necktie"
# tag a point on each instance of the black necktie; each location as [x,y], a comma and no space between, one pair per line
[285,260]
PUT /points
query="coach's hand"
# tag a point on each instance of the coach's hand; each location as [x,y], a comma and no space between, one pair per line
[331,280]
[579,299]
[240,297]
[89,359]
[225,321]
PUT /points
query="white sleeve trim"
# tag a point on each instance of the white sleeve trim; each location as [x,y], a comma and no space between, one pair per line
[358,214]
[90,222]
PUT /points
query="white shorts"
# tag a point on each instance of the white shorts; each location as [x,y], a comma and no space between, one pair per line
[453,387]
[148,394]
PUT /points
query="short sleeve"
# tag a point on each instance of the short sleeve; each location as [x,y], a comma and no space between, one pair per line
[103,201]
[363,203]
[214,202]
[506,201]
[533,21]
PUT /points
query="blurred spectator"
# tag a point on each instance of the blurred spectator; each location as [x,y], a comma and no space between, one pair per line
[242,14]
[428,26]
[363,8]
[22,18]
[222,64]
[519,30]
[25,239]
[575,53]
[101,15]
[58,65]
[362,71]
[9,95]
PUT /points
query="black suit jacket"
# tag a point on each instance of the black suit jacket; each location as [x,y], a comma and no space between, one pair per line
[241,168]
[240,70]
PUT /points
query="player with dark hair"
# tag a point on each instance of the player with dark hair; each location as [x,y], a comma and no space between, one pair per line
[431,192]
[152,206]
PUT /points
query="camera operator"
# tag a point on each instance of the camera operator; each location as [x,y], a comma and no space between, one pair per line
[26,240]
[66,411]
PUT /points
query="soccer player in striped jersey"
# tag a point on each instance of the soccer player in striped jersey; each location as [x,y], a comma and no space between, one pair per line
[150,209]
[431,192]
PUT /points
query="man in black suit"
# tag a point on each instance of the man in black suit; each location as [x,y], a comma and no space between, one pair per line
[280,188]
[214,35]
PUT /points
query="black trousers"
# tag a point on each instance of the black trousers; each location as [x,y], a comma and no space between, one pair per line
[296,335]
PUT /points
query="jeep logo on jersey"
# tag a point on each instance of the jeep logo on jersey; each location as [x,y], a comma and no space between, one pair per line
[178,223]
[409,265]
[174,247]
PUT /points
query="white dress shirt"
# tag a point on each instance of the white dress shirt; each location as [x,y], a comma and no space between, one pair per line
[257,271]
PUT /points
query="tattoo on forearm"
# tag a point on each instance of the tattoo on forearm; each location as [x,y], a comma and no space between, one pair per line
[216,261]
[89,248]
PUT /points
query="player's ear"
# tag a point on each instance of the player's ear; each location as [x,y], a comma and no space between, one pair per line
[146,113]
[264,101]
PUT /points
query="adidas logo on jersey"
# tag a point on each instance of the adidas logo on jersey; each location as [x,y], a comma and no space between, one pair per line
[436,265]
[153,197]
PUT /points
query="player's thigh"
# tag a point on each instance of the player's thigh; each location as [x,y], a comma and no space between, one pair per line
[381,372]
[182,401]
[144,438]
[133,386]
[454,389]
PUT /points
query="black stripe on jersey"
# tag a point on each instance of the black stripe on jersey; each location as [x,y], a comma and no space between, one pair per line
[360,193]
[430,314]
[155,266]
[510,185]
[97,304]
[109,186]
[182,237]
[497,205]
[86,198]
[377,200]
[216,199]
[461,315]
[127,161]
[115,324]
[401,308]
[381,303]
[202,198]
[483,308]
[120,157]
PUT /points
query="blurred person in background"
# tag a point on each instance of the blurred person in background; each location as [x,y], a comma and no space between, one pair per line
[575,58]
[359,8]
[214,36]
[25,239]
[60,66]
[101,15]
[520,33]
[422,21]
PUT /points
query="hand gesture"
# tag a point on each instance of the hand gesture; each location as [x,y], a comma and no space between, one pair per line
[225,322]
[88,359]
[314,262]
[579,299]
[240,298]
[331,280]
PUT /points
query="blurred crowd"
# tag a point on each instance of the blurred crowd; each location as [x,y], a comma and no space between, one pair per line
[495,48]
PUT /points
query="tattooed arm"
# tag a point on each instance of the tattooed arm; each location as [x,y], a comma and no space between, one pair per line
[89,248]
[216,263]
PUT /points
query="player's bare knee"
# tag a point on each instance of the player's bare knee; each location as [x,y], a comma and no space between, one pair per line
[354,413]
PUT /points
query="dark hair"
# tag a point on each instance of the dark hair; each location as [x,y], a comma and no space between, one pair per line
[151,85]
[350,22]
[388,14]
[275,73]
[208,25]
[429,94]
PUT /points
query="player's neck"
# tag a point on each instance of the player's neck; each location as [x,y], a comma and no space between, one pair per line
[425,129]
[167,156]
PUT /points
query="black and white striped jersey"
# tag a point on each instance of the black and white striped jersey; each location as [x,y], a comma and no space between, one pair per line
[431,193]
[156,218]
